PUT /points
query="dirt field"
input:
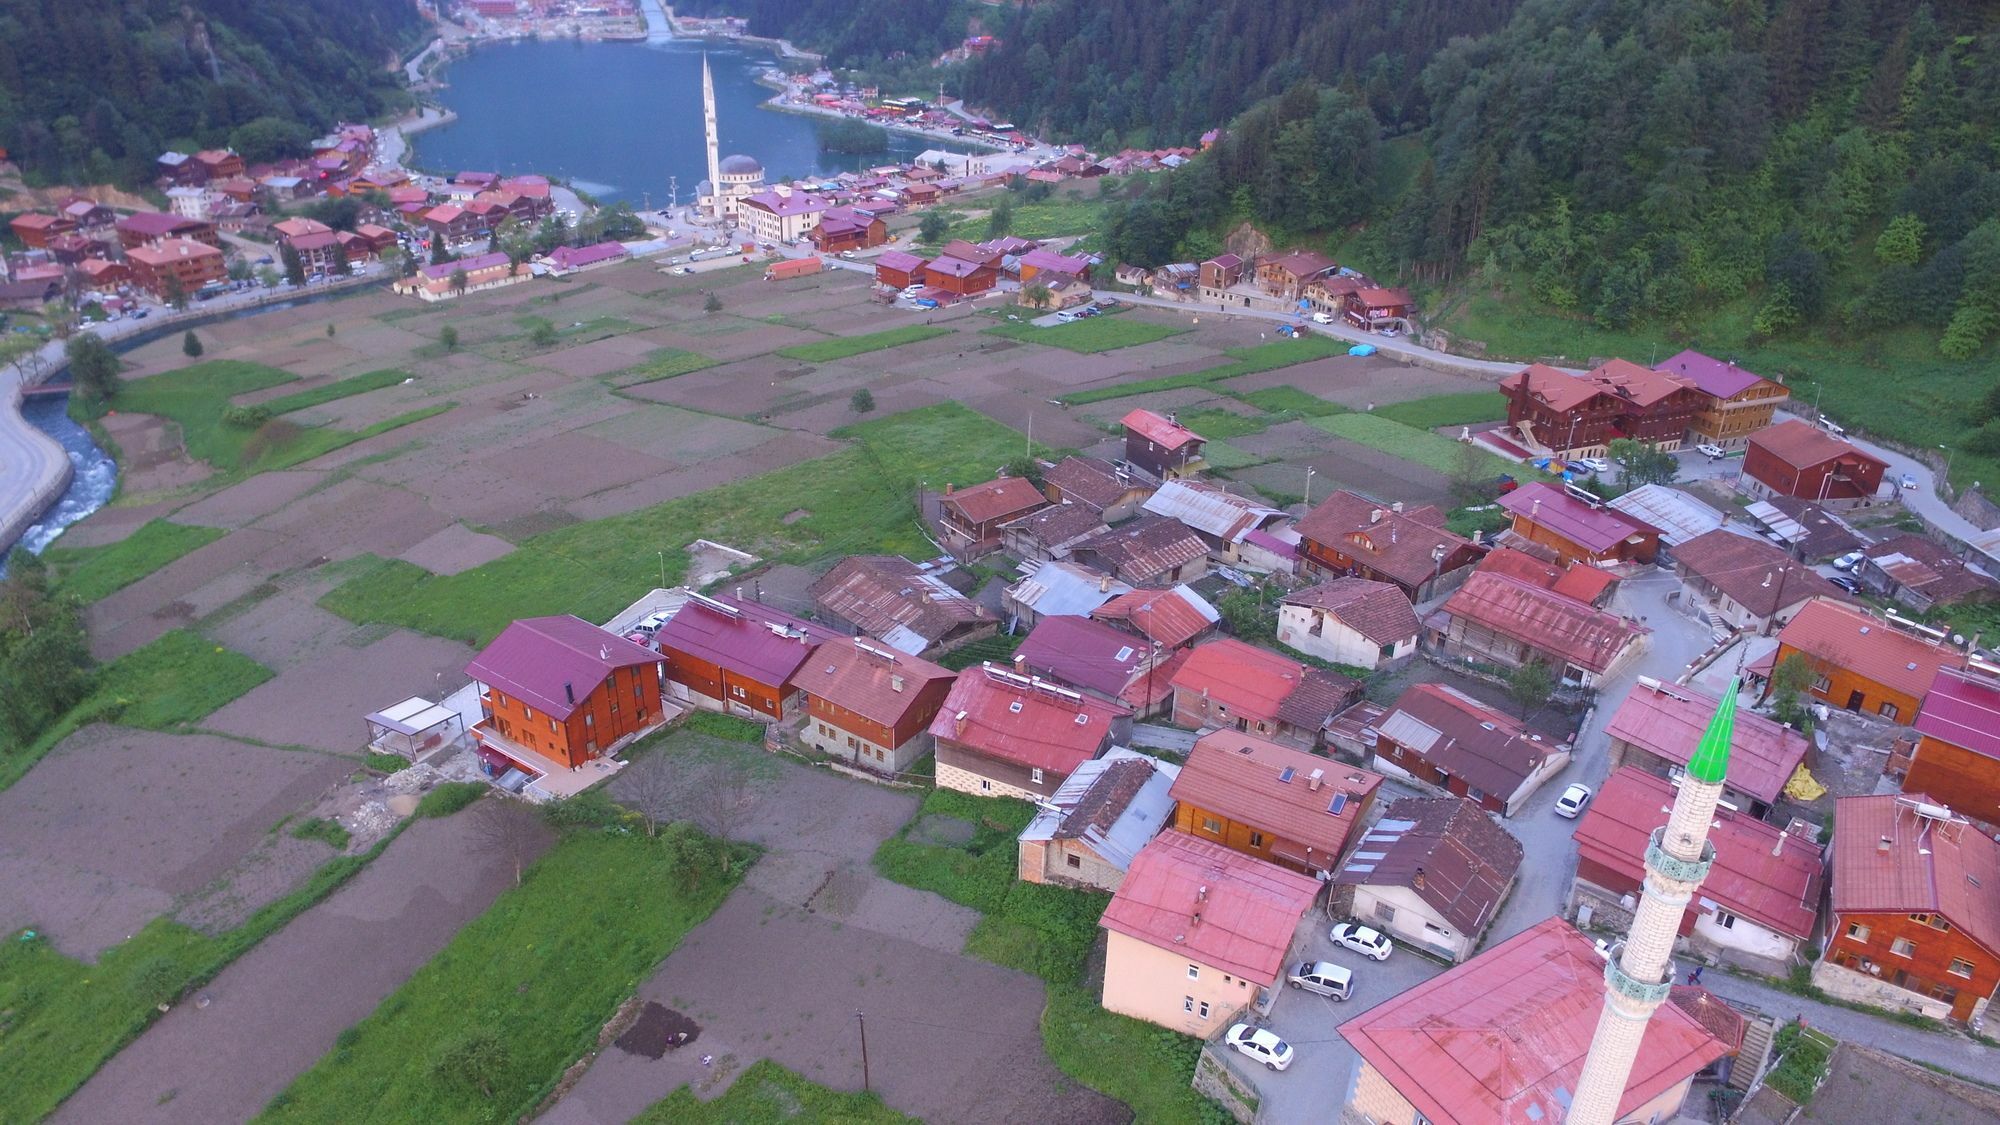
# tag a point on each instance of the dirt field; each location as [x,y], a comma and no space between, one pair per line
[116,824]
[320,703]
[278,1009]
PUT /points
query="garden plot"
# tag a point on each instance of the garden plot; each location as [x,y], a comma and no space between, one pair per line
[455,549]
[572,465]
[785,449]
[321,704]
[599,357]
[682,437]
[1356,381]
[349,517]
[242,504]
[1337,463]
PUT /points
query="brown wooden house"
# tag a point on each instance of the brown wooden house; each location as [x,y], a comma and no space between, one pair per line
[1280,804]
[558,692]
[870,705]
[728,654]
[971,517]
[1348,533]
[1002,734]
[1161,446]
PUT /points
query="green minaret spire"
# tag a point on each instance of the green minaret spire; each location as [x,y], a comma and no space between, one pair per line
[1711,758]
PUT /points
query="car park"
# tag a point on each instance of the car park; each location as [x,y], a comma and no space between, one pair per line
[1848,561]
[1362,940]
[1571,803]
[1261,1044]
[1323,978]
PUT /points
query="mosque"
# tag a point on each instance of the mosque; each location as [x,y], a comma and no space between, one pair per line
[718,198]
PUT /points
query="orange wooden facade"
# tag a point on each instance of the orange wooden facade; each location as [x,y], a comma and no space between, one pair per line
[1625,550]
[913,722]
[1926,965]
[1853,691]
[1952,775]
[625,703]
[736,691]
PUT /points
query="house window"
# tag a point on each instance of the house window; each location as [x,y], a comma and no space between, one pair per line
[637,694]
[1187,1003]
[527,712]
[1857,931]
[1256,839]
[1903,947]
[985,784]
[1887,710]
[1821,683]
[1211,826]
[1725,919]
[1960,967]
[738,693]
[1945,993]
[1194,972]
[1475,792]
[1385,912]
[1073,860]
[553,727]
[852,744]
[1035,775]
[1204,1009]
[1934,921]
[589,719]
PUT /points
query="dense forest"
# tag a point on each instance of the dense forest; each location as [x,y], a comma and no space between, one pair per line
[94,90]
[859,34]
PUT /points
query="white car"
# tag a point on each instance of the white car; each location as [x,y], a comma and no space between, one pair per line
[1324,978]
[1571,803]
[1712,452]
[1260,1044]
[1594,464]
[1362,940]
[1322,318]
[1848,561]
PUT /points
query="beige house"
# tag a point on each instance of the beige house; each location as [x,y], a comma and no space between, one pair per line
[1087,834]
[1197,931]
[1432,872]
[1352,621]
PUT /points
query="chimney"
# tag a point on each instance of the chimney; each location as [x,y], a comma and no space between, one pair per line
[1313,780]
[947,488]
[1173,419]
[604,652]
[958,724]
[1020,664]
[1374,515]
[1882,845]
[1778,848]
[1397,507]
[896,682]
[1535,509]
[1104,583]
[1417,879]
[569,693]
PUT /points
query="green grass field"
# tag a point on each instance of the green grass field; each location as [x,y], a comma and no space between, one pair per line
[90,573]
[331,392]
[859,500]
[1051,218]
[542,970]
[1461,409]
[1289,401]
[768,1093]
[662,364]
[1217,424]
[1090,335]
[1243,361]
[842,347]
[1433,451]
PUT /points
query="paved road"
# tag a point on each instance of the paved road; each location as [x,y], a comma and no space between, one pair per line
[1950,1050]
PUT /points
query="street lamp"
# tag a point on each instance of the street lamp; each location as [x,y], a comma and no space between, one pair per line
[1310,474]
[1948,451]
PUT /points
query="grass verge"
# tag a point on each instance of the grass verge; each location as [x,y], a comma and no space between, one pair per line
[331,392]
[1433,451]
[1089,335]
[1461,409]
[767,1092]
[1243,361]
[320,828]
[841,347]
[1289,400]
[90,573]
[662,364]
[548,962]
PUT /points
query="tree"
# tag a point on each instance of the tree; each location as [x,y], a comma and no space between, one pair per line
[931,230]
[712,304]
[1643,463]
[440,253]
[477,1059]
[174,293]
[329,331]
[190,344]
[715,799]
[1036,296]
[459,281]
[341,266]
[45,664]
[92,366]
[862,402]
[1530,685]
[1901,242]
[507,830]
[650,788]
[239,269]
[295,266]
[543,335]
[267,277]
[1789,680]
[1001,220]
[516,241]
[1026,468]
[448,336]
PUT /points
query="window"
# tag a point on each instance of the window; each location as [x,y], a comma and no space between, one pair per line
[1725,919]
[853,743]
[1475,792]
[1256,839]
[1945,993]
[1903,947]
[1211,826]
[1194,972]
[589,719]
[527,712]
[1887,710]
[1035,775]
[738,693]
[553,727]
[637,694]
[1857,932]
[1073,860]
[1934,921]
[985,784]
[1960,967]
[1821,683]
[1187,1003]
[1388,652]
[1203,1012]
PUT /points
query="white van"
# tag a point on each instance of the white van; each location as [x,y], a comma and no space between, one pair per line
[1324,978]
[1831,426]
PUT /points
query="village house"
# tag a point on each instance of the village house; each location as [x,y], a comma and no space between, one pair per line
[1161,446]
[90,216]
[1149,551]
[1113,490]
[1170,619]
[1370,307]
[1577,415]
[1578,530]
[1350,534]
[1038,263]
[1745,583]
[218,164]
[440,282]
[374,238]
[175,266]
[149,228]
[1286,275]
[899,269]
[35,229]
[1088,833]
[1051,533]
[970,518]
[1756,908]
[177,167]
[1736,403]
[1220,273]
[1443,737]
[1002,734]
[1059,589]
[1677,514]
[1803,461]
[905,605]
[1865,663]
[959,277]
[843,228]
[870,705]
[1916,923]
[558,692]
[1432,872]
[1577,581]
[564,260]
[1352,621]
[1496,620]
[1921,574]
[1525,1009]
[1277,803]
[1332,294]
[1658,726]
[727,654]
[1096,659]
[1196,931]
[782,214]
[1957,756]
[103,276]
[310,239]
[1227,684]
[453,223]
[1811,533]
[1221,517]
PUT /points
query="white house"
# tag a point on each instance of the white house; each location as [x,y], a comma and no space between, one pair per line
[1352,621]
[1432,872]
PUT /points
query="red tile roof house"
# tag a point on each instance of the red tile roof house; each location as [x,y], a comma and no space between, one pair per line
[310,239]
[559,693]
[870,705]
[1220,516]
[970,518]
[1368,307]
[1921,574]
[1175,618]
[907,606]
[899,269]
[1500,1040]
[1866,663]
[1795,459]
[1160,446]
[1580,581]
[1916,922]
[1088,833]
[35,230]
[1432,872]
[1196,932]
[1495,620]
[1113,490]
[1759,904]
[1098,660]
[1001,734]
[1578,530]
[1745,583]
[1229,684]
[1050,533]
[1149,551]
[149,228]
[1444,738]
[1957,756]
[1658,726]
[727,654]
[1277,803]
[1351,621]
[1348,533]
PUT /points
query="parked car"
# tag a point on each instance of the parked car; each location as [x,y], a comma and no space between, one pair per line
[1261,1044]
[683,269]
[1324,978]
[926,303]
[1322,318]
[1909,481]
[1362,940]
[1594,464]
[1571,803]
[1848,561]
[1712,452]
[847,253]
[1845,583]
[651,623]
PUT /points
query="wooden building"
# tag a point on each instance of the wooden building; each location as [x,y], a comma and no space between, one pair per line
[899,269]
[1002,734]
[736,656]
[1576,415]
[870,705]
[1735,403]
[1443,737]
[1088,833]
[1795,459]
[1579,530]
[971,517]
[560,691]
[1278,803]
[1161,446]
[1957,756]
[1350,534]
[1865,663]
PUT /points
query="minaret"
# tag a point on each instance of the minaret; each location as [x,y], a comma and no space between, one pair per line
[714,153]
[1637,981]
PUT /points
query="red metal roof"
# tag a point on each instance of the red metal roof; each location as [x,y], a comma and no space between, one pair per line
[1633,383]
[1398,544]
[1753,573]
[1802,445]
[1544,620]
[1447,850]
[1250,681]
[1559,390]
[1257,782]
[1171,617]
[1084,653]
[1025,720]
[1159,431]
[745,637]
[1963,709]
[1760,872]
[1891,858]
[1595,528]
[1216,907]
[1868,646]
[863,676]
[995,499]
[901,260]
[1668,720]
[1500,1039]
[1584,582]
[550,663]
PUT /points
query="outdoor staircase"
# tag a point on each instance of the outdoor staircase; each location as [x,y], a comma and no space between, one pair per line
[1757,1034]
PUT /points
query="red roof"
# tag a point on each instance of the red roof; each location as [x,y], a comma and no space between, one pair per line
[1250,681]
[1802,445]
[899,260]
[1963,709]
[1382,298]
[550,663]
[954,267]
[1751,572]
[1304,799]
[1891,858]
[1558,390]
[1084,653]
[999,498]
[1216,907]
[1633,383]
[1378,611]
[1401,545]
[1867,646]
[1584,582]
[1500,1039]
[155,224]
[1025,720]
[1667,720]
[1595,528]
[1172,617]
[864,678]
[745,637]
[1457,733]
[1543,620]
[1521,565]
[1156,429]
[1760,872]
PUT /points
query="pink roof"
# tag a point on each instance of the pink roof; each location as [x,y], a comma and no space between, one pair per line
[1889,858]
[1963,709]
[1087,654]
[1543,619]
[1216,907]
[1715,377]
[155,224]
[1050,260]
[1760,872]
[1668,722]
[1025,720]
[444,213]
[1596,529]
[898,260]
[1500,1039]
[748,638]
[1170,617]
[953,267]
[471,265]
[571,257]
[1159,431]
[551,662]
[1250,681]
[788,203]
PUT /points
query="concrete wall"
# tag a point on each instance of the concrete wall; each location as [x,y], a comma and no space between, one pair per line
[965,781]
[1149,983]
[1067,863]
[1863,988]
[1333,641]
[1745,938]
[1409,918]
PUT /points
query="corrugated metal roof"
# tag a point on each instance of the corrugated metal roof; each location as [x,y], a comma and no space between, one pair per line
[1064,589]
[1025,720]
[1115,804]
[1159,431]
[849,675]
[1679,517]
[1447,850]
[1084,653]
[1963,709]
[744,637]
[1490,750]
[544,661]
[1543,620]
[882,593]
[1211,905]
[1378,611]
[1927,865]
[1170,617]
[999,498]
[1209,509]
[1803,445]
[1716,378]
[1145,548]
[1868,646]
[1668,721]
[1595,529]
[1260,783]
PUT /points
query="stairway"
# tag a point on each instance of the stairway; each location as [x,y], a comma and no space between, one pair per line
[1757,1034]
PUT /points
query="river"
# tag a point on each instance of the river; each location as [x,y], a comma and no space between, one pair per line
[96,476]
[617,119]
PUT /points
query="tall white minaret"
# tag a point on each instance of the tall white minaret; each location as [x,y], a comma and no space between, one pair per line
[1635,984]
[714,153]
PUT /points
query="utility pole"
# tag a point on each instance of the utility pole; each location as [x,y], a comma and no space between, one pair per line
[863,1021]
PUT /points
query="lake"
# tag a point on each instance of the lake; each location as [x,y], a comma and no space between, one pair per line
[617,119]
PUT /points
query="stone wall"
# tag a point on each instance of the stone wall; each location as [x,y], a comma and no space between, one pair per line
[1214,1080]
[1846,984]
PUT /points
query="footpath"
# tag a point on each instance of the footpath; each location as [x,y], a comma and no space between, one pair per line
[1948,1050]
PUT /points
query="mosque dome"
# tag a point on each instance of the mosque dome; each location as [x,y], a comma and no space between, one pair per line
[740,165]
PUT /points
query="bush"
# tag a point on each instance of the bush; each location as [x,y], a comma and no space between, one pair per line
[191,344]
[320,828]
[450,797]
[592,808]
[245,417]
[386,763]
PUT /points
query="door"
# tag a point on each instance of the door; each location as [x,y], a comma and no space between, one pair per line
[1854,700]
